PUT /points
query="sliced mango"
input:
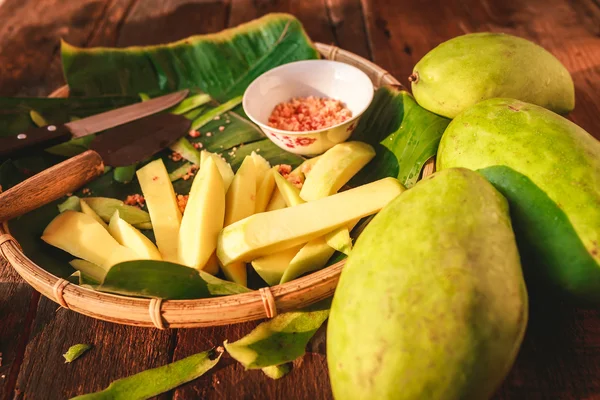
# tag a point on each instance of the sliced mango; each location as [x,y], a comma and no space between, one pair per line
[89,269]
[86,209]
[133,239]
[224,167]
[236,272]
[335,168]
[162,206]
[203,217]
[262,167]
[240,200]
[290,193]
[277,201]
[264,233]
[265,191]
[340,240]
[212,265]
[311,257]
[272,267]
[83,237]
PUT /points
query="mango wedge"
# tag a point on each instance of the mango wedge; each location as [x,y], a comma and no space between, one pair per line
[236,272]
[277,201]
[162,206]
[268,232]
[340,240]
[262,167]
[290,193]
[90,270]
[83,237]
[131,238]
[335,168]
[311,257]
[86,209]
[203,217]
[265,191]
[222,165]
[240,200]
[212,265]
[272,267]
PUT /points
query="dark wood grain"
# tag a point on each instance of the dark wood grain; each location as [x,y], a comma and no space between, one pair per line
[560,358]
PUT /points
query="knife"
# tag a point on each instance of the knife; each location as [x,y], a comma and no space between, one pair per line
[120,146]
[50,135]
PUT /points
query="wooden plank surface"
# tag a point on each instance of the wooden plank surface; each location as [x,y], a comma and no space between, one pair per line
[560,358]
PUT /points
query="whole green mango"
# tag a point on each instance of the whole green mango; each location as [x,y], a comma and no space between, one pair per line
[431,303]
[549,170]
[479,66]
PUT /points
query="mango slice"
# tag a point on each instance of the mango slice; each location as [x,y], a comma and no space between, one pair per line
[277,201]
[89,269]
[267,232]
[265,191]
[290,193]
[83,237]
[262,167]
[272,267]
[203,217]
[131,238]
[236,272]
[162,206]
[340,240]
[224,167]
[335,168]
[212,265]
[240,200]
[311,257]
[86,209]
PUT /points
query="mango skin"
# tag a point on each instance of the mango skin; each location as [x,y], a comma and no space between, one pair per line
[470,68]
[431,303]
[551,178]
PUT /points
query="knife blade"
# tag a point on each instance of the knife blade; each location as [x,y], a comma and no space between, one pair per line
[120,146]
[49,135]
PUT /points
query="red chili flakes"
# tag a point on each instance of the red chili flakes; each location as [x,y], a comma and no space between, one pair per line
[284,169]
[221,128]
[86,191]
[198,145]
[69,194]
[295,180]
[191,172]
[194,133]
[209,134]
[182,202]
[175,156]
[154,178]
[136,200]
[308,114]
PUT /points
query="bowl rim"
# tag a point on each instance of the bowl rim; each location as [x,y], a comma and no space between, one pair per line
[315,131]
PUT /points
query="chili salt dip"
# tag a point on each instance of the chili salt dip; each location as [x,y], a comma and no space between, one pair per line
[308,114]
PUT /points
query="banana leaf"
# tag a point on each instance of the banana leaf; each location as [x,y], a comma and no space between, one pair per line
[15,112]
[404,136]
[221,64]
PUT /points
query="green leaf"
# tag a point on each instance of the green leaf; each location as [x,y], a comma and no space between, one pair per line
[213,113]
[75,352]
[191,103]
[72,147]
[221,64]
[165,280]
[187,150]
[124,174]
[281,339]
[153,382]
[15,112]
[404,135]
[9,175]
[277,371]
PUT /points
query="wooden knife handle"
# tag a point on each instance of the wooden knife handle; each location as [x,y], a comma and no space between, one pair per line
[50,184]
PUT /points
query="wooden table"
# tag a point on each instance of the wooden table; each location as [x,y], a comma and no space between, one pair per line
[560,358]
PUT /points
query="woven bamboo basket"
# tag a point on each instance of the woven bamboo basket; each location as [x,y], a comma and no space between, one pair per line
[259,304]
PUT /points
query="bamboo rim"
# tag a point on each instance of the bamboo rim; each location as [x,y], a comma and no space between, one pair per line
[258,304]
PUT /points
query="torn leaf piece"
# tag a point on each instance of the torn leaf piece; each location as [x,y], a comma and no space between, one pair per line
[281,339]
[153,382]
[75,352]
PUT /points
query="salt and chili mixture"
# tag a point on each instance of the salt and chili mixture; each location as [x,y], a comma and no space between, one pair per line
[308,114]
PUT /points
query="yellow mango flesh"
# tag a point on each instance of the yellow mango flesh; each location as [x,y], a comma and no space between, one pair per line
[277,201]
[222,165]
[290,193]
[212,265]
[311,257]
[89,269]
[265,191]
[203,217]
[132,238]
[162,207]
[267,232]
[334,169]
[236,272]
[86,209]
[262,167]
[340,240]
[83,237]
[272,267]
[241,197]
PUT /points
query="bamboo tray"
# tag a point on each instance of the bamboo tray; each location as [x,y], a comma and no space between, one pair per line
[259,304]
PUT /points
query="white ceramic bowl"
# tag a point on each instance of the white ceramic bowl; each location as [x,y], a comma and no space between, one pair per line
[320,78]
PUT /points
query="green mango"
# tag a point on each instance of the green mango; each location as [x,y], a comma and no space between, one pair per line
[479,66]
[431,303]
[549,170]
